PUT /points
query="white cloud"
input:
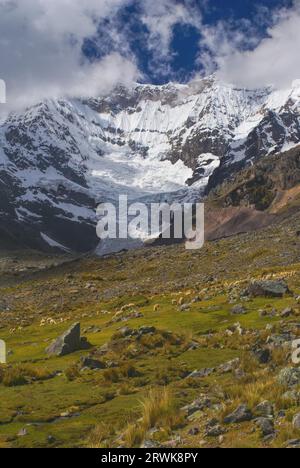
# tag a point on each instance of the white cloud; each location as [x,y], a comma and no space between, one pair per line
[41,46]
[41,50]
[273,61]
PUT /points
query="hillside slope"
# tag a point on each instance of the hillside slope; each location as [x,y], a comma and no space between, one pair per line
[153,318]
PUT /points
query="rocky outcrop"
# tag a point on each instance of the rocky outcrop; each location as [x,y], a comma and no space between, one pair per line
[70,342]
[241,414]
[267,289]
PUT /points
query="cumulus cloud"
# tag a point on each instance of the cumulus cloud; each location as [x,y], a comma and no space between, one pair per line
[41,50]
[41,46]
[271,61]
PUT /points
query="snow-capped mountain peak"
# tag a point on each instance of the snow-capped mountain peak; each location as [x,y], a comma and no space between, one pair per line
[60,158]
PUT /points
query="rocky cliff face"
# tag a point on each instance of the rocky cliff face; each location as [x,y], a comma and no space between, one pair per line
[59,159]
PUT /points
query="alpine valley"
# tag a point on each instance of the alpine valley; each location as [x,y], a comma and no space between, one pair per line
[157,347]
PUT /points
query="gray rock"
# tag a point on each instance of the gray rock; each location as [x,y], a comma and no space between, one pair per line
[93,364]
[293,396]
[149,444]
[193,346]
[146,330]
[241,414]
[184,307]
[196,300]
[201,374]
[268,289]
[194,431]
[277,341]
[287,312]
[68,343]
[198,405]
[229,366]
[289,377]
[265,410]
[294,443]
[263,355]
[125,332]
[296,421]
[238,310]
[263,313]
[239,374]
[214,430]
[266,426]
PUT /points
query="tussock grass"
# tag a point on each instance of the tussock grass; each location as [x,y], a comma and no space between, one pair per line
[126,389]
[22,375]
[263,388]
[158,409]
[99,436]
[72,373]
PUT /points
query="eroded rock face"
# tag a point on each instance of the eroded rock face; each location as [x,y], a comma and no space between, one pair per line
[70,342]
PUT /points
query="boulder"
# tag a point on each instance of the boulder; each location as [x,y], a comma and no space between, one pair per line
[265,410]
[229,366]
[146,330]
[238,310]
[201,374]
[294,443]
[126,332]
[194,431]
[200,404]
[263,355]
[241,414]
[93,364]
[68,343]
[266,426]
[289,377]
[292,396]
[286,313]
[184,307]
[268,288]
[296,421]
[214,429]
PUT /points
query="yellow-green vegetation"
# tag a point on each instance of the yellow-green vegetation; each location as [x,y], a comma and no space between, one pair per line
[157,409]
[177,306]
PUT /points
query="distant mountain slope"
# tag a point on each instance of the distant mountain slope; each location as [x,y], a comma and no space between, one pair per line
[257,196]
[59,159]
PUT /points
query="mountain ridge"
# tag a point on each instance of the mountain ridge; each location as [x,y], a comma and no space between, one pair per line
[60,158]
